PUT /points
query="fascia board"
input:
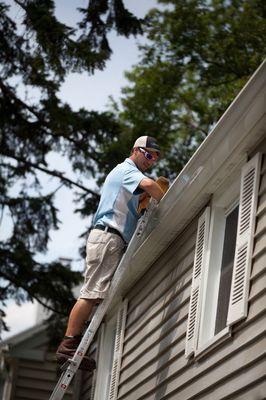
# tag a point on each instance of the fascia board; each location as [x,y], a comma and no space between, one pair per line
[235,135]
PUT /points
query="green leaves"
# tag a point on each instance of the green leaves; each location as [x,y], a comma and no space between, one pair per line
[33,218]
[24,279]
[198,56]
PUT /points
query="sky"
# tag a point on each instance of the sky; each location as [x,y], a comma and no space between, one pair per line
[92,93]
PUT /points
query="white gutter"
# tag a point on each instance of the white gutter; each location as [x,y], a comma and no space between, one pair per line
[236,135]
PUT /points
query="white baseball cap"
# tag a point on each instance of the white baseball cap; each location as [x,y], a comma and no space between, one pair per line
[148,142]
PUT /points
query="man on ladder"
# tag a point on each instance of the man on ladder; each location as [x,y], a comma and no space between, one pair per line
[114,224]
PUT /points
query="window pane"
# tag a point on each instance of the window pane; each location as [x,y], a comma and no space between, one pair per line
[226,269]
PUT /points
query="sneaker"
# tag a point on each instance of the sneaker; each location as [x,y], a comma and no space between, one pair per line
[67,349]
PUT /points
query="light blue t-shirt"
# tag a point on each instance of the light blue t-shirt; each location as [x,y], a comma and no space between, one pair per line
[120,198]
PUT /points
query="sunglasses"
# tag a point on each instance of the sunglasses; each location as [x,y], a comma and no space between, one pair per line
[147,155]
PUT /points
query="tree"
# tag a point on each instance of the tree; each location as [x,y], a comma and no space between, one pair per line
[198,56]
[39,54]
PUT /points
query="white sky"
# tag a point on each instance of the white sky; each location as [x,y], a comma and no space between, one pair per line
[90,92]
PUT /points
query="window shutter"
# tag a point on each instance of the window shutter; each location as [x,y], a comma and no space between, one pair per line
[196,289]
[119,339]
[238,303]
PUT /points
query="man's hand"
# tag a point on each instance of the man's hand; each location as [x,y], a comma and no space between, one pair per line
[152,189]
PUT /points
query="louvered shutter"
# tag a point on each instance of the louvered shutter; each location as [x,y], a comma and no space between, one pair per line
[196,289]
[119,339]
[238,303]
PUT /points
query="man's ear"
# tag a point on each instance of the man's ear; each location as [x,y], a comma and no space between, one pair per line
[135,151]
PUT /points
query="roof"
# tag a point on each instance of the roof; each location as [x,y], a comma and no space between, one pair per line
[24,335]
[237,134]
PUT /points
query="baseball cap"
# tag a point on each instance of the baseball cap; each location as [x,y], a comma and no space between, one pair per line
[148,142]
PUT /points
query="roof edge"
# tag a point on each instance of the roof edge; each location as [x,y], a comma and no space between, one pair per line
[211,164]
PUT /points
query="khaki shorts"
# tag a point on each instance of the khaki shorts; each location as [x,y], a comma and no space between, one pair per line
[103,253]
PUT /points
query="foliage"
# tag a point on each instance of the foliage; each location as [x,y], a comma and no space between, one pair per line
[36,54]
[198,56]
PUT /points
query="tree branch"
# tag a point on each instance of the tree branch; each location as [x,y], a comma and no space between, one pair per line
[221,66]
[19,285]
[54,173]
[4,289]
[9,92]
[20,4]
[40,118]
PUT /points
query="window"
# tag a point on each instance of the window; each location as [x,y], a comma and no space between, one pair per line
[226,271]
[218,272]
[222,264]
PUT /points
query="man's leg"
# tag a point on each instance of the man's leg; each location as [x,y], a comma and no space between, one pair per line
[79,315]
[104,251]
[77,319]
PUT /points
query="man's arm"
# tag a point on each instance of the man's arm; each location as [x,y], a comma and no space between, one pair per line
[152,188]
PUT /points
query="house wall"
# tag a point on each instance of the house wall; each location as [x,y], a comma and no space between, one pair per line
[154,366]
[34,370]
[34,379]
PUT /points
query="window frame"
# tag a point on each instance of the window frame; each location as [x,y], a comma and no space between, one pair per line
[212,274]
[249,179]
